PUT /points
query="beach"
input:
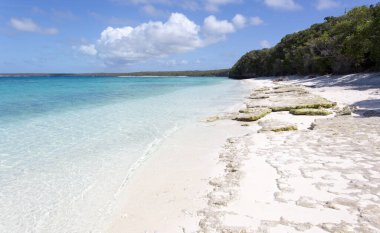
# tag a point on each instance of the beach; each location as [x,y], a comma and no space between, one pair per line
[281,173]
[215,116]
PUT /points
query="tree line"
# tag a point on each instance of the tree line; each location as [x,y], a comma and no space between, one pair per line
[345,44]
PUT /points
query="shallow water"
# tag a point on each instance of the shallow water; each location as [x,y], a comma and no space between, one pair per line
[68,144]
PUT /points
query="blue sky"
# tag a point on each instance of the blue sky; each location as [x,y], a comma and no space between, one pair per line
[142,35]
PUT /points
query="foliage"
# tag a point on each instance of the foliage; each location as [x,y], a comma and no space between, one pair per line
[310,112]
[252,114]
[345,44]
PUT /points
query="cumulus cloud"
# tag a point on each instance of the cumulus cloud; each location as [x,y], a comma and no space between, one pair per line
[214,26]
[239,21]
[215,30]
[283,4]
[174,62]
[159,39]
[28,25]
[256,21]
[152,39]
[326,4]
[88,49]
[265,44]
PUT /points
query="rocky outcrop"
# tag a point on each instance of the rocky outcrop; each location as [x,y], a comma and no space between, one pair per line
[310,111]
[252,114]
[285,98]
[276,126]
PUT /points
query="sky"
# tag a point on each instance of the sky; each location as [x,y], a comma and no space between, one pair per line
[67,36]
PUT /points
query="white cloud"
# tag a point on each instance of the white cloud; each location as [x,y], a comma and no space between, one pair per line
[265,44]
[152,39]
[174,62]
[256,21]
[156,39]
[239,21]
[171,62]
[213,5]
[184,62]
[283,4]
[216,30]
[88,49]
[217,27]
[326,4]
[28,25]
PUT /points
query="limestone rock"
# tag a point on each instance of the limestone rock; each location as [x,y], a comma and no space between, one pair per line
[345,111]
[276,126]
[252,114]
[285,98]
[310,112]
[288,102]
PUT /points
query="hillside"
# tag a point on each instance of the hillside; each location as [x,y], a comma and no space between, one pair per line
[345,44]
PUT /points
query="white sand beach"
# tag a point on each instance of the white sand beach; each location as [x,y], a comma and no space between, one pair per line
[224,175]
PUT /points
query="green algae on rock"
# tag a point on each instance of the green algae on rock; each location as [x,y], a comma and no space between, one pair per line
[276,126]
[287,97]
[310,112]
[287,88]
[286,128]
[252,114]
[288,102]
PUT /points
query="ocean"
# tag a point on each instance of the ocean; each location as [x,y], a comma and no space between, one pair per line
[69,144]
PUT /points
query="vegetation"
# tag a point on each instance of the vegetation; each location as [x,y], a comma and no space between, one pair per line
[310,112]
[252,114]
[276,126]
[285,128]
[345,44]
[316,105]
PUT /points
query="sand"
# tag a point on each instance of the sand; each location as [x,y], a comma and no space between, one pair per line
[165,194]
[229,176]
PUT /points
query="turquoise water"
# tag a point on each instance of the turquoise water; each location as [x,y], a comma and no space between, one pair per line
[68,144]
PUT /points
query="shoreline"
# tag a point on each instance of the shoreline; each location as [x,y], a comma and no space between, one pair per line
[165,157]
[192,184]
[165,179]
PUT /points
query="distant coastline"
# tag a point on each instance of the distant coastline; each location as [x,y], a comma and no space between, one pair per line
[194,73]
